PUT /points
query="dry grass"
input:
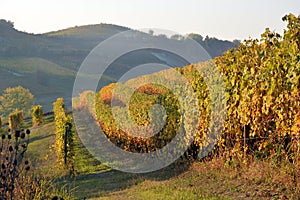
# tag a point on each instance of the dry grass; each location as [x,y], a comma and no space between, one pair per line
[212,180]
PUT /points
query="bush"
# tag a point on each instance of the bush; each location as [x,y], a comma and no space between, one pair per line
[59,118]
[37,115]
[15,120]
[64,146]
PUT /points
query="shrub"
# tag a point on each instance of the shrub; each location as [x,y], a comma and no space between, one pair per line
[64,146]
[15,120]
[59,118]
[37,115]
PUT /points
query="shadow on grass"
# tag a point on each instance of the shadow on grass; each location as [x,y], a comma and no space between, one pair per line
[41,137]
[103,183]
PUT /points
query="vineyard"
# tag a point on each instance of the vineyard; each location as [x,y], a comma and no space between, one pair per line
[262,120]
[262,82]
[235,121]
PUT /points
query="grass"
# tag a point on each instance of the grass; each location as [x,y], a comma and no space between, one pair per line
[42,153]
[40,147]
[85,163]
[31,65]
[211,180]
[259,179]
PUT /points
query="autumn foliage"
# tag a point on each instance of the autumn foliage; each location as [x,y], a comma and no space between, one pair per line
[262,81]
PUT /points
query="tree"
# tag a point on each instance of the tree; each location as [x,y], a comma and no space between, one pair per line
[162,36]
[150,32]
[196,37]
[17,98]
[5,23]
[177,37]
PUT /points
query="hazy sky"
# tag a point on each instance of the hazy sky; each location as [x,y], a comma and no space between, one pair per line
[224,19]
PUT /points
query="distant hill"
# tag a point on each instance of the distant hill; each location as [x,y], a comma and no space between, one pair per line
[45,79]
[67,47]
[47,63]
[95,31]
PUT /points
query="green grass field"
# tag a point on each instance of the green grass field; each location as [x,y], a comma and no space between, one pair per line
[32,65]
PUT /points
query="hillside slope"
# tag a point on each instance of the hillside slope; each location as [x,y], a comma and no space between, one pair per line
[47,63]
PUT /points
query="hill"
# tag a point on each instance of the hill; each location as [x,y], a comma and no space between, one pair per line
[45,79]
[47,63]
[255,157]
[89,31]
